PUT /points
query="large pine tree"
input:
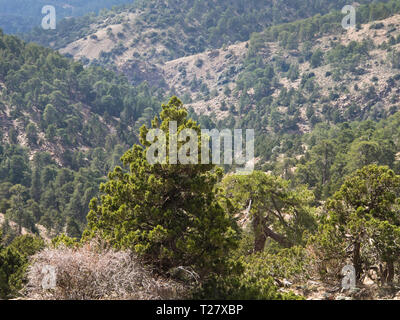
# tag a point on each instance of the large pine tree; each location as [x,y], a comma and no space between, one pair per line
[167,213]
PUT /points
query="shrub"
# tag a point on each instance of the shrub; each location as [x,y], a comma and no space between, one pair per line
[316,58]
[377,26]
[90,273]
[361,225]
[260,278]
[14,262]
[199,63]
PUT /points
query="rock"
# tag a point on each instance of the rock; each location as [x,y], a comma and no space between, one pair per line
[286,283]
[333,289]
[367,281]
[354,290]
[397,296]
[343,298]
[327,296]
[313,283]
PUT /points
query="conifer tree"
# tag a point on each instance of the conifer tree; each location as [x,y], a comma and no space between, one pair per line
[362,222]
[167,213]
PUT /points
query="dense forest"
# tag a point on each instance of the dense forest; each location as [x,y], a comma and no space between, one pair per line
[60,132]
[78,193]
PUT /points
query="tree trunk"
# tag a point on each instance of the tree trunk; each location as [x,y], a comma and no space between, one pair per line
[357,260]
[262,232]
[390,272]
[277,237]
[259,242]
[259,236]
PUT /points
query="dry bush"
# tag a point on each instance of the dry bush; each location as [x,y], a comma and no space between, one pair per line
[89,273]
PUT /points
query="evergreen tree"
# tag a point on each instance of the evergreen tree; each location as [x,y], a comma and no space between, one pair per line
[167,213]
[276,212]
[364,216]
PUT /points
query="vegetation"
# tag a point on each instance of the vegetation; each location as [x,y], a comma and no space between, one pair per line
[201,24]
[180,224]
[64,113]
[93,272]
[78,193]
[363,215]
[22,15]
[14,261]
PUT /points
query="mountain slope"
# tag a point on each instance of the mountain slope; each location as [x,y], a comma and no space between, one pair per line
[157,42]
[69,105]
[23,15]
[63,128]
[184,27]
[138,39]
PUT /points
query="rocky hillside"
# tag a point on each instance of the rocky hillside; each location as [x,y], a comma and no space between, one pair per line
[187,27]
[211,77]
[144,39]
[283,80]
[337,76]
[324,196]
[63,128]
[50,103]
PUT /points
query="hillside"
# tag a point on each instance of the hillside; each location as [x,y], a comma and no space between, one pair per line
[121,41]
[20,16]
[139,39]
[282,81]
[38,86]
[187,27]
[336,77]
[63,127]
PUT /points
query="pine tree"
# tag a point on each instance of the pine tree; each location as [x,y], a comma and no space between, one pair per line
[364,216]
[36,187]
[167,213]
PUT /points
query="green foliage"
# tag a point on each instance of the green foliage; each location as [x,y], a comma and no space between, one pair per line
[244,287]
[291,264]
[259,278]
[64,240]
[65,109]
[11,266]
[316,58]
[275,211]
[364,215]
[166,213]
[27,245]
[48,194]
[14,262]
[336,151]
